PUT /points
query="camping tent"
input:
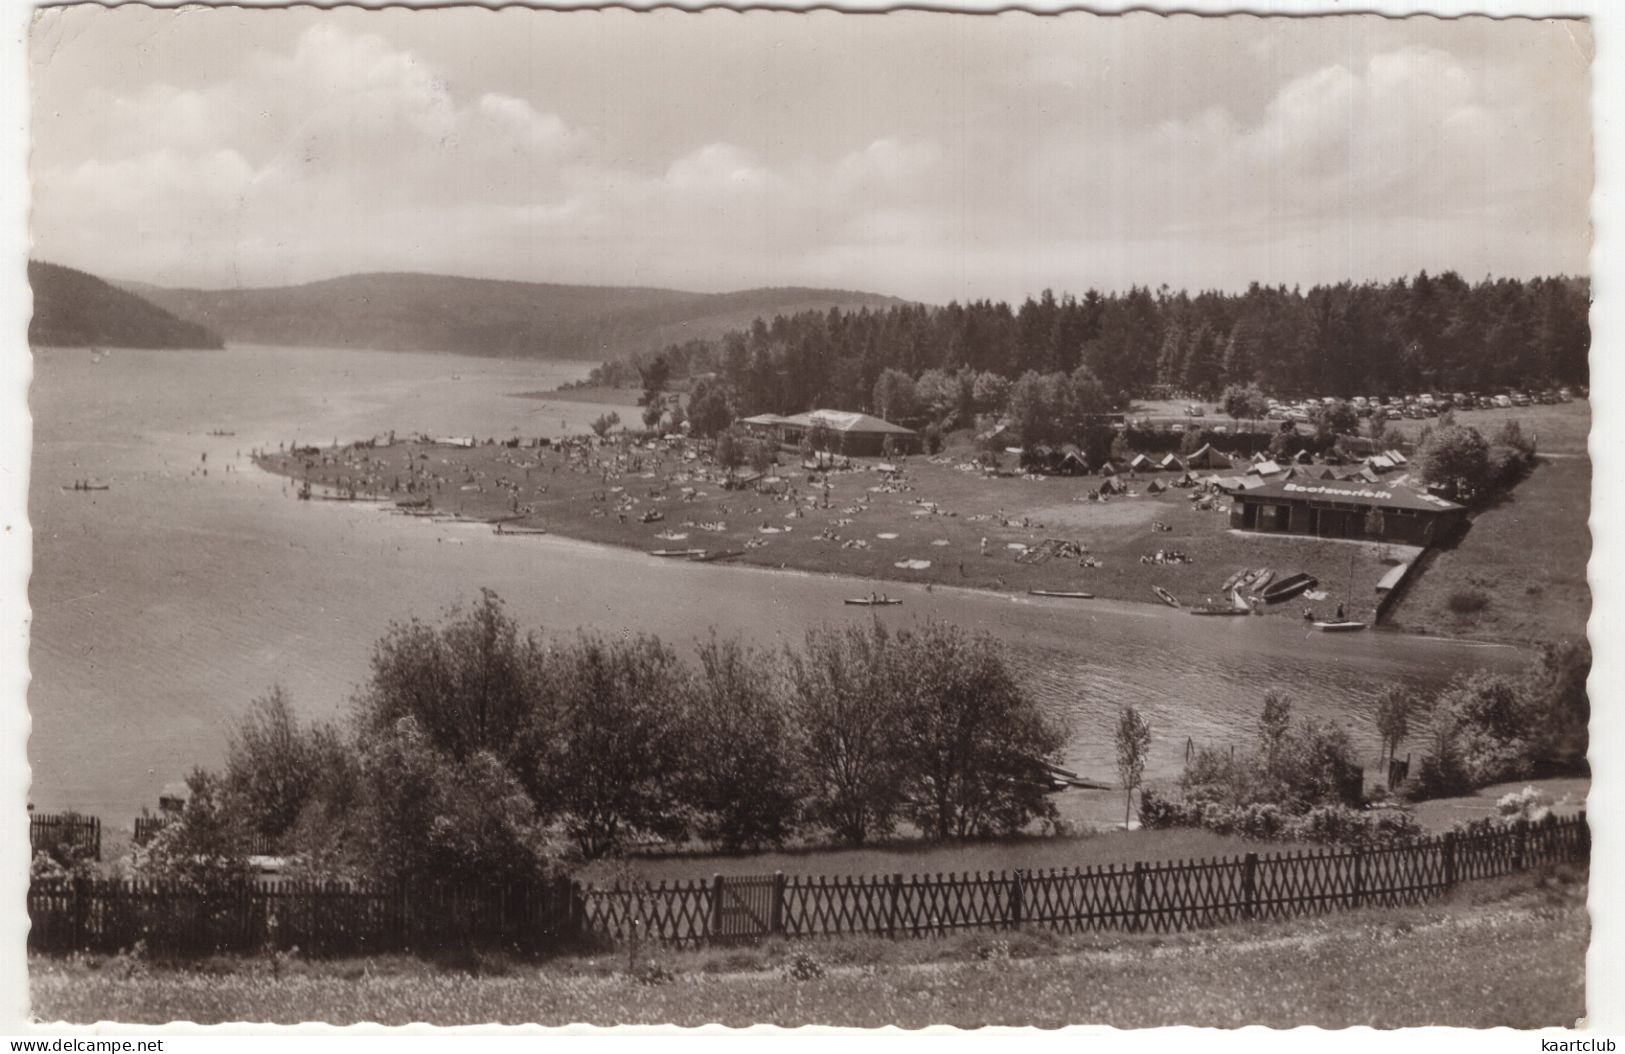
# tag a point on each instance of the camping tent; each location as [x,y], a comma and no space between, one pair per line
[1072,462]
[1141,463]
[1207,457]
[1171,463]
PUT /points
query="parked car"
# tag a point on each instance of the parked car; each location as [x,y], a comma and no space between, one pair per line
[1194,411]
[1176,428]
[1520,399]
[1503,401]
[1393,413]
[1564,395]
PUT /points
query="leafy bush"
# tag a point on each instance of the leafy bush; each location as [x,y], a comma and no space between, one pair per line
[803,965]
[1265,821]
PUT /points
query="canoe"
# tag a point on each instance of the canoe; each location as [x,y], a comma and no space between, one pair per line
[1061,594]
[867,602]
[687,553]
[1287,588]
[1165,596]
[504,529]
[1339,627]
[1237,579]
[1260,580]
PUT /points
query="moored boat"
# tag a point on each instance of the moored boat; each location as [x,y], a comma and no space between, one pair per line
[873,602]
[1289,587]
[1339,627]
[1165,596]
[707,555]
[686,553]
[1060,594]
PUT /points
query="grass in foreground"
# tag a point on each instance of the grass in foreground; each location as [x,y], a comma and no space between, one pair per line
[1508,953]
[1520,571]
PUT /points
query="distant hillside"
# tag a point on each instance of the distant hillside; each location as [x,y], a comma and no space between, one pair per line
[419,312]
[72,309]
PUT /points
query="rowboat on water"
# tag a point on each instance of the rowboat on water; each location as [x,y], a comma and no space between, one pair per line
[88,486]
[872,602]
[686,553]
[503,528]
[1062,594]
[1165,596]
[1339,627]
[1289,587]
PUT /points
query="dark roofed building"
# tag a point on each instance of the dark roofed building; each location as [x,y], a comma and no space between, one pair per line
[1342,508]
[854,434]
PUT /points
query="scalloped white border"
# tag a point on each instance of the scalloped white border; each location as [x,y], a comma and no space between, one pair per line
[1606,976]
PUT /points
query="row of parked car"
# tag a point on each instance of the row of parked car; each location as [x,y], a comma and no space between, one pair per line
[1397,407]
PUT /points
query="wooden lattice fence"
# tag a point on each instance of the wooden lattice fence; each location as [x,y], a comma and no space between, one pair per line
[1156,897]
[47,831]
[332,919]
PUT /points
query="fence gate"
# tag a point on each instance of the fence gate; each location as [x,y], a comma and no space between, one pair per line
[745,907]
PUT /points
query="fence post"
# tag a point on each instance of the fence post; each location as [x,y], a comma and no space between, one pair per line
[1359,877]
[1016,906]
[1137,923]
[716,905]
[1522,842]
[775,922]
[894,893]
[1449,860]
[1583,843]
[1249,886]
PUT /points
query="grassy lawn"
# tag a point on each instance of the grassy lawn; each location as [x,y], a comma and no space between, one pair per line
[1519,573]
[915,858]
[937,514]
[1510,952]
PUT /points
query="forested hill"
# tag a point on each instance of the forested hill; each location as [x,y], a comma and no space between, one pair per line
[422,312]
[1426,332]
[73,309]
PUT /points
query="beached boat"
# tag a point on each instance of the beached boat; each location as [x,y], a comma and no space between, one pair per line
[1060,594]
[1258,581]
[685,553]
[1289,587]
[707,556]
[1339,627]
[873,602]
[504,528]
[1165,596]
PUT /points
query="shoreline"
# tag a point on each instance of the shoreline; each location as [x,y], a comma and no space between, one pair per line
[992,577]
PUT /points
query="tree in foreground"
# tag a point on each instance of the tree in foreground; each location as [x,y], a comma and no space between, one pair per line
[1133,740]
[975,745]
[743,792]
[848,722]
[204,848]
[469,683]
[1391,714]
[1455,456]
[604,756]
[275,768]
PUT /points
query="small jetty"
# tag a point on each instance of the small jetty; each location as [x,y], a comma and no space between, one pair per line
[690,554]
[873,602]
[1060,594]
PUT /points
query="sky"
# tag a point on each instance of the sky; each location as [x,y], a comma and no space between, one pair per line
[925,155]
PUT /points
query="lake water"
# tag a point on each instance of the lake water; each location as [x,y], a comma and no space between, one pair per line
[162,606]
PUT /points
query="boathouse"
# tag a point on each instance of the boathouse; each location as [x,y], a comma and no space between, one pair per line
[1342,509]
